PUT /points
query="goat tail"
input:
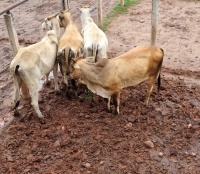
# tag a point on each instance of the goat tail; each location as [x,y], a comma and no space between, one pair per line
[159,82]
[162,51]
[159,77]
[17,69]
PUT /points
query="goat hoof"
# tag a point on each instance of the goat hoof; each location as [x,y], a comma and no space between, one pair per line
[57,92]
[108,110]
[116,113]
[47,83]
[42,121]
[16,113]
[68,95]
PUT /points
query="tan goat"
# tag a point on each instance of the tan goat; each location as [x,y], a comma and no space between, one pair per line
[70,42]
[108,77]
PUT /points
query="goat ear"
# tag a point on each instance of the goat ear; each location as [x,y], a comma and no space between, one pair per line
[90,59]
[93,9]
[60,17]
[77,66]
[44,26]
[49,23]
[57,17]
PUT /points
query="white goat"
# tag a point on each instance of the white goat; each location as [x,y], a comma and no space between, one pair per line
[95,40]
[85,11]
[31,64]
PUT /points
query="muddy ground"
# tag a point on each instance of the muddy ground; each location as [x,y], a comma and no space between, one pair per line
[79,136]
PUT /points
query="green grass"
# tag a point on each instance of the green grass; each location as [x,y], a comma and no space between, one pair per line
[118,9]
[86,96]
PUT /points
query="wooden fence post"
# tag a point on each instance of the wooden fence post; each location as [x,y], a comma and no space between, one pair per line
[154,21]
[100,18]
[14,45]
[12,33]
[122,2]
[65,4]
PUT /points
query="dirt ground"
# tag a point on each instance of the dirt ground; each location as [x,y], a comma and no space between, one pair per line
[79,136]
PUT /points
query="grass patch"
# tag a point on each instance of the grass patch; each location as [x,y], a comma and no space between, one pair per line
[118,9]
[86,96]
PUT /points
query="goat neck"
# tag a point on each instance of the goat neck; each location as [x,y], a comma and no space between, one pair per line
[83,18]
[67,20]
[56,27]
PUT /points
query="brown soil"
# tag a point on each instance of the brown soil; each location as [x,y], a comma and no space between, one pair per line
[79,136]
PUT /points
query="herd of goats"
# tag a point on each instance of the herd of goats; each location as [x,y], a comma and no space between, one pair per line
[84,57]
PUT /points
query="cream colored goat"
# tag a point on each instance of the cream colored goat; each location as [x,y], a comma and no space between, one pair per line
[85,11]
[51,23]
[31,64]
[108,77]
[95,40]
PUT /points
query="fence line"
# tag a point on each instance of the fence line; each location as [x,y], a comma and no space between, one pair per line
[7,55]
[3,48]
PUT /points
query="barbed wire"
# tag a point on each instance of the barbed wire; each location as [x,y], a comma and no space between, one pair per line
[40,14]
[3,48]
[38,6]
[7,55]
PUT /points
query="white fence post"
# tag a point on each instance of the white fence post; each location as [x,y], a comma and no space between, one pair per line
[12,33]
[100,18]
[154,21]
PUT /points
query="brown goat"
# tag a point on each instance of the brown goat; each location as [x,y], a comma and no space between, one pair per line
[108,77]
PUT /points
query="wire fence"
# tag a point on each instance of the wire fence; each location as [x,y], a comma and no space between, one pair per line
[29,16]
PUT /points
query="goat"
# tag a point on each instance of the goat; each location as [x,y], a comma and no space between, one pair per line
[31,64]
[70,44]
[108,77]
[85,11]
[95,40]
[51,23]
